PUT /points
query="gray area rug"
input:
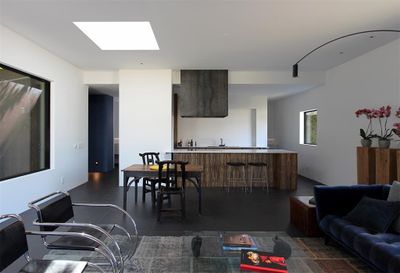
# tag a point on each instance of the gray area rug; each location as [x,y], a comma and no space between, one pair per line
[158,254]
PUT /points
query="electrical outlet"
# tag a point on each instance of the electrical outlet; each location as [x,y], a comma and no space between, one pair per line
[62,180]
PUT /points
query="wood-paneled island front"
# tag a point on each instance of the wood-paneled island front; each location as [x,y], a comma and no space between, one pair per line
[282,164]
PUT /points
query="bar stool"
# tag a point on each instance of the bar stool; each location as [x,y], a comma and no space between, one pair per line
[258,172]
[236,174]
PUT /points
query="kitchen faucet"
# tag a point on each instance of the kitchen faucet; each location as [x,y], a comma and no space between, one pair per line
[222,142]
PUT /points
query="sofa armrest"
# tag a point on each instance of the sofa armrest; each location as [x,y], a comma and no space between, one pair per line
[340,200]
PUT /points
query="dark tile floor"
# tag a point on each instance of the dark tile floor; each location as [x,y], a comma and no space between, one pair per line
[236,211]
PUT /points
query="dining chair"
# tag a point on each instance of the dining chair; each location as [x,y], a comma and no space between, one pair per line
[56,211]
[149,183]
[13,245]
[170,173]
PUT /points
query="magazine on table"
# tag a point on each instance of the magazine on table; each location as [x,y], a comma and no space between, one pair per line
[238,240]
[253,260]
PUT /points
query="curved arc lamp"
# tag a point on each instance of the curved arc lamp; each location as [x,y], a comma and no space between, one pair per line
[295,69]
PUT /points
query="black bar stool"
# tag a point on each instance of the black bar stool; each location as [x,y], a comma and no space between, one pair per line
[236,174]
[258,173]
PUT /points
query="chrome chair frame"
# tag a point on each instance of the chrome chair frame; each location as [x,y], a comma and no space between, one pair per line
[106,254]
[131,237]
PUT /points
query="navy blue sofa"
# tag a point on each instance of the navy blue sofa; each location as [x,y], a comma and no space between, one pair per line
[380,250]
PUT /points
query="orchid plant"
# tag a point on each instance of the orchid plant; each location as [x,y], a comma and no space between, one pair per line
[383,114]
[368,113]
[396,125]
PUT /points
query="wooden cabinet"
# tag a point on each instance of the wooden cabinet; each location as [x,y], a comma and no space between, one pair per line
[215,174]
[398,164]
[377,165]
[303,215]
[385,166]
[203,93]
[285,168]
[365,165]
[282,167]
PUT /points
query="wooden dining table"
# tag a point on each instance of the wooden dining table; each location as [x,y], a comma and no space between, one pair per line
[134,173]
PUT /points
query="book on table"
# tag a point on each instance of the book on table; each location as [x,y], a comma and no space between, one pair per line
[237,242]
[254,260]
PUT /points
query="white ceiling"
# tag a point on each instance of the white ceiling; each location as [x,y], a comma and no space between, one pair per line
[205,34]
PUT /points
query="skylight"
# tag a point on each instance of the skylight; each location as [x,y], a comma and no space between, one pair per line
[120,35]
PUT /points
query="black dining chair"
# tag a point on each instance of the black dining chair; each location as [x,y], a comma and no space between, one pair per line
[149,183]
[170,173]
[13,245]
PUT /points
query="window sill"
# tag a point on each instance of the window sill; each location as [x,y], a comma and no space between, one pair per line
[312,145]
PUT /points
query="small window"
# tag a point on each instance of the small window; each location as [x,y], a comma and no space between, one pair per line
[24,123]
[308,127]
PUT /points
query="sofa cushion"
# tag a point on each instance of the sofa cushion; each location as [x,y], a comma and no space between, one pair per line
[394,195]
[364,242]
[341,229]
[332,225]
[381,254]
[394,192]
[350,233]
[376,215]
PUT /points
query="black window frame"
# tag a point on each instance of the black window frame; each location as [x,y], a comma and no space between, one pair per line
[47,121]
[305,127]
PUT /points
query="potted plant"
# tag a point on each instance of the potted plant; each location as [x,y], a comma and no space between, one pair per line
[396,126]
[383,114]
[366,135]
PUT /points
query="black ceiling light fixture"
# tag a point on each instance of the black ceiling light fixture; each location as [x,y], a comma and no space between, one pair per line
[295,68]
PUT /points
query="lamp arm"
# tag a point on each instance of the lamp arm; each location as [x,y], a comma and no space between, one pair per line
[295,66]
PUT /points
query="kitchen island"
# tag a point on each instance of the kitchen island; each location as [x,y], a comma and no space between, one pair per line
[282,164]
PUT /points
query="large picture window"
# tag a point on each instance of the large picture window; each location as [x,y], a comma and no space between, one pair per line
[24,123]
[308,127]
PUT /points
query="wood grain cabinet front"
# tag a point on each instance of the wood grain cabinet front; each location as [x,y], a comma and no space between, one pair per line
[281,174]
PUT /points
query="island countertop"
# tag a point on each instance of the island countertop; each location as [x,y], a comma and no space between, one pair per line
[231,151]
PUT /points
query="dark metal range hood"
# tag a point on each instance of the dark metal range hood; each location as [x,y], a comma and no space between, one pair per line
[203,93]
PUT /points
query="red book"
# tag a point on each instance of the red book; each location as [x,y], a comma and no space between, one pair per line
[254,260]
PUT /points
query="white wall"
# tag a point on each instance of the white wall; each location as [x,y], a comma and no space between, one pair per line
[69,108]
[237,129]
[145,111]
[371,80]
